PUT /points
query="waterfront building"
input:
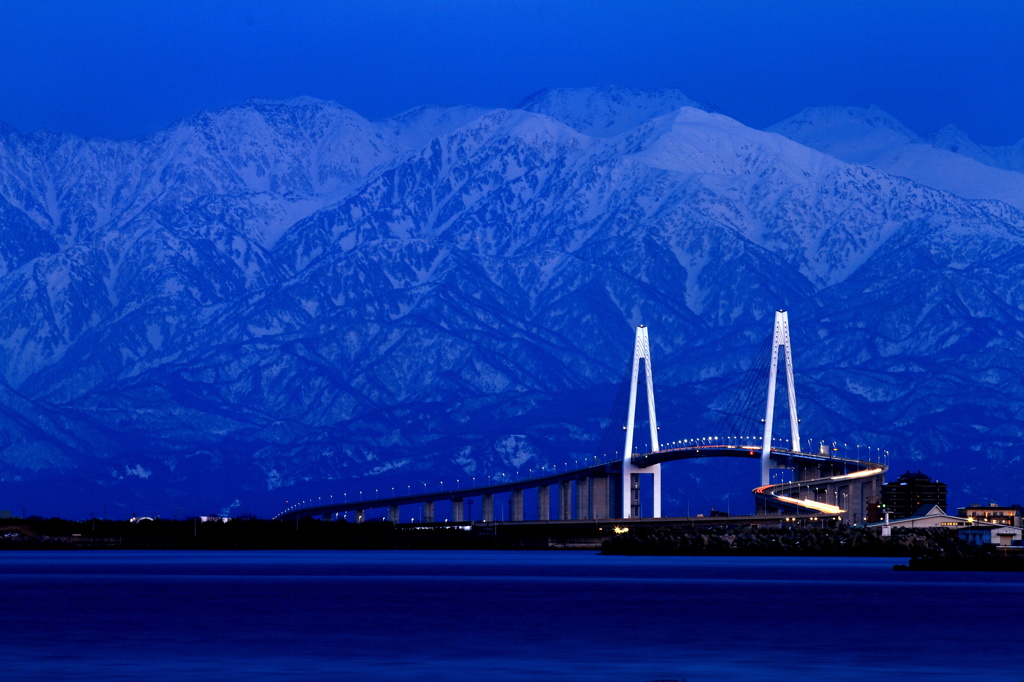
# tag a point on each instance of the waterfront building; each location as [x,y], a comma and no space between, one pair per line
[907,494]
[928,516]
[993,513]
[982,533]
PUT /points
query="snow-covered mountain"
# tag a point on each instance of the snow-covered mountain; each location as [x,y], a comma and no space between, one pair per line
[955,140]
[608,111]
[948,160]
[284,299]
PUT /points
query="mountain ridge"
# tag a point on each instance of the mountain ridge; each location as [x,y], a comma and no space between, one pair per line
[947,160]
[444,291]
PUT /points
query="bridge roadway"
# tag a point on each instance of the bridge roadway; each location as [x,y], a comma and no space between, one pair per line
[818,478]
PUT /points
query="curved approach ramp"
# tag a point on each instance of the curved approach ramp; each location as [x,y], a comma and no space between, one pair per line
[821,483]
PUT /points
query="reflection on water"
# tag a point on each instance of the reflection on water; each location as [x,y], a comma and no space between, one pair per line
[499,616]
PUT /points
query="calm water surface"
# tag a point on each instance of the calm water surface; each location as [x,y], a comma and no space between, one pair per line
[499,616]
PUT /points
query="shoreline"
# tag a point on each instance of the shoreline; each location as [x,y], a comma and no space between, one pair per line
[925,549]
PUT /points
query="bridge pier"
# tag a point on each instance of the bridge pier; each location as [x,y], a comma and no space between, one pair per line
[428,511]
[564,500]
[634,497]
[600,497]
[865,492]
[458,509]
[594,497]
[544,503]
[656,478]
[487,505]
[583,498]
[394,515]
[515,505]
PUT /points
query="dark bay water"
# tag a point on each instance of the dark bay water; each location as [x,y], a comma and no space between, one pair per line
[499,616]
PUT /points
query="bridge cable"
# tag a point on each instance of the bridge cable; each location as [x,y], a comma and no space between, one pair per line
[750,416]
[741,416]
[613,437]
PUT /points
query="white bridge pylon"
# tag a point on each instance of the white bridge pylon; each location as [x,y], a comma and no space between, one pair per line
[780,337]
[631,472]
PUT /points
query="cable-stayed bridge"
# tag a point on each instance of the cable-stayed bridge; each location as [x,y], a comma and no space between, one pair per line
[822,480]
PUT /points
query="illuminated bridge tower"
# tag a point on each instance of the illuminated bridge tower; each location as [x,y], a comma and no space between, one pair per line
[780,337]
[630,472]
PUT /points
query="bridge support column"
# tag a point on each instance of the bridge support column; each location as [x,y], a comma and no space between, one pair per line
[583,498]
[872,493]
[544,503]
[458,509]
[859,503]
[515,505]
[487,506]
[428,511]
[634,497]
[564,500]
[393,514]
[656,476]
[600,498]
[843,500]
[864,493]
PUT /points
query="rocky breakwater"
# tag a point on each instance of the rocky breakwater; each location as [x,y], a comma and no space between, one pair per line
[795,541]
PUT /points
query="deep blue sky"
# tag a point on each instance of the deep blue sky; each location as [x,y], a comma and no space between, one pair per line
[119,69]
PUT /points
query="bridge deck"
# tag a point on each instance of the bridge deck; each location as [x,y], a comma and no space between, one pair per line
[774,494]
